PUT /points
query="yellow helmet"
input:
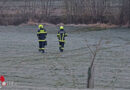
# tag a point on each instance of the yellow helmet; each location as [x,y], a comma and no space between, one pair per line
[61,27]
[40,26]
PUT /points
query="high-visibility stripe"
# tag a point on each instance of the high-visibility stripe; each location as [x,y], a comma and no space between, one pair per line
[62,48]
[41,48]
[60,37]
[63,36]
[41,40]
[41,31]
[61,40]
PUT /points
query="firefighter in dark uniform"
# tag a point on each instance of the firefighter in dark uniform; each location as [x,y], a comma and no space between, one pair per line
[42,34]
[61,36]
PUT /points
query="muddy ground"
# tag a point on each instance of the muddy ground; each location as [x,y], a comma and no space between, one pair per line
[23,65]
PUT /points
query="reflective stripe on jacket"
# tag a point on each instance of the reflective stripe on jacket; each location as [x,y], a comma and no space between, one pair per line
[41,33]
[61,35]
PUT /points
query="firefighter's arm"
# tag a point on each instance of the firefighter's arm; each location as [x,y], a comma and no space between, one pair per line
[66,34]
[46,33]
[58,34]
[38,32]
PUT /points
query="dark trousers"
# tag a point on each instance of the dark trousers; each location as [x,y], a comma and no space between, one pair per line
[61,46]
[42,45]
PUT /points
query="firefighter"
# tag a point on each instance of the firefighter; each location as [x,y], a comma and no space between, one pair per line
[42,34]
[61,37]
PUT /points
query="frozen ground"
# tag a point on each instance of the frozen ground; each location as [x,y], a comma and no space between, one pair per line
[23,65]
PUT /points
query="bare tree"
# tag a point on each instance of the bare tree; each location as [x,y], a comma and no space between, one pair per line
[75,11]
[90,81]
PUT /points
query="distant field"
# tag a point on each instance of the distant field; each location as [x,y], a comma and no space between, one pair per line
[21,63]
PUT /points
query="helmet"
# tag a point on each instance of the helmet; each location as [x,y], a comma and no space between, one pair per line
[61,27]
[40,26]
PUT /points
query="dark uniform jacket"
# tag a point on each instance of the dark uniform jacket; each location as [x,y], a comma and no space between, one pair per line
[61,35]
[42,33]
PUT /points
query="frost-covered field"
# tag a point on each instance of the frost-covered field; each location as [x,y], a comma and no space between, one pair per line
[22,64]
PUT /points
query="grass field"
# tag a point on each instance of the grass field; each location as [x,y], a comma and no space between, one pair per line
[21,63]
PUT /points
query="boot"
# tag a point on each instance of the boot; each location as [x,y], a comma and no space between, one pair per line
[39,50]
[43,51]
[61,50]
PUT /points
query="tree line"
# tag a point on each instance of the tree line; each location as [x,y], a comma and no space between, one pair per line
[65,11]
